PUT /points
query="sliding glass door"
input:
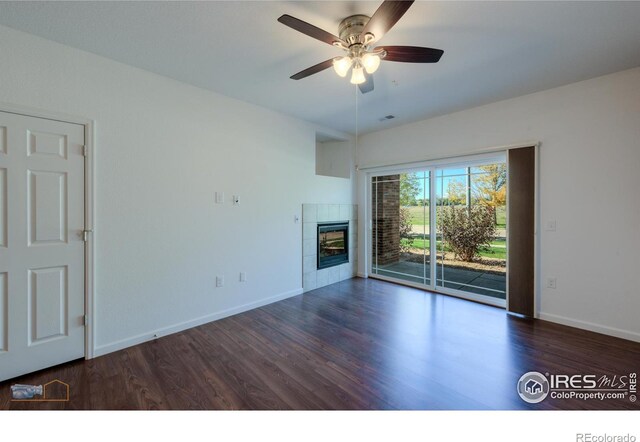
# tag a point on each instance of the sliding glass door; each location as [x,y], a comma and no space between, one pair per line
[400,226]
[471,229]
[462,207]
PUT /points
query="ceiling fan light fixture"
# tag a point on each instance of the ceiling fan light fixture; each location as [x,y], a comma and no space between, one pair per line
[357,75]
[357,35]
[371,62]
[342,65]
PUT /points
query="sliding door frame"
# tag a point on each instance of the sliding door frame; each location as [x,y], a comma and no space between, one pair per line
[483,157]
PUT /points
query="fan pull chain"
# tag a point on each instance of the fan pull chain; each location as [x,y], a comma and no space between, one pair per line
[355,150]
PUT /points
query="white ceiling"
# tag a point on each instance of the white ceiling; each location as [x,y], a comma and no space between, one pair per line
[493,50]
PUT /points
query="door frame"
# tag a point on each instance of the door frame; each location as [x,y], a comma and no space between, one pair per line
[89,208]
[432,163]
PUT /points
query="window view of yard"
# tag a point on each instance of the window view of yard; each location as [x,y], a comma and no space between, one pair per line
[470,230]
[496,249]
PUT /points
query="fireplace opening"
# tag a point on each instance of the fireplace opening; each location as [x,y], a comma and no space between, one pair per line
[333,244]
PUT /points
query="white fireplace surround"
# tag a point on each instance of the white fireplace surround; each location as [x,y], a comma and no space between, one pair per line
[312,214]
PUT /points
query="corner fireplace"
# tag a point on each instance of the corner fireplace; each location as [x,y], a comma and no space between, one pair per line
[333,244]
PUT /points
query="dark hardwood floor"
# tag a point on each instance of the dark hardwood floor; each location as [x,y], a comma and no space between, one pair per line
[358,344]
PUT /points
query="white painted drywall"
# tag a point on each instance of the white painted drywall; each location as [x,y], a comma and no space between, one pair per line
[334,159]
[163,150]
[589,182]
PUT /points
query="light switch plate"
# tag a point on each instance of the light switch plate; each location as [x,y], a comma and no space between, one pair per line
[219,197]
[551,225]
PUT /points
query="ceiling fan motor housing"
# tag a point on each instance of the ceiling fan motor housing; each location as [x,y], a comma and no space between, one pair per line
[351,28]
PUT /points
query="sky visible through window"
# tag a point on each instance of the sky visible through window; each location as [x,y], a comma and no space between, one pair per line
[444,180]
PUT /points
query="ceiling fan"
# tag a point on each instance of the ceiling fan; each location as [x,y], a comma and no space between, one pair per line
[358,33]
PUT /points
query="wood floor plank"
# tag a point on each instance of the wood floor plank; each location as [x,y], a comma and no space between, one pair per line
[358,344]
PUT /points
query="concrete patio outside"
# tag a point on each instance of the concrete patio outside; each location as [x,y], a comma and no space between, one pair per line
[468,280]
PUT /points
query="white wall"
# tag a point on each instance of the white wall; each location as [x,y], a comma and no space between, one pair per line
[589,183]
[163,149]
[334,159]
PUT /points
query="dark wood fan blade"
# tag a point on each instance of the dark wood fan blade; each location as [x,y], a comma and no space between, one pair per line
[411,54]
[367,86]
[313,69]
[385,17]
[308,29]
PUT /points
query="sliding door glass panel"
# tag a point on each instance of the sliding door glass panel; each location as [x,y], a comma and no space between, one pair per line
[471,229]
[414,222]
[400,226]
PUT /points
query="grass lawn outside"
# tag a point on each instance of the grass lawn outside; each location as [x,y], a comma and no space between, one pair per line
[497,249]
[418,214]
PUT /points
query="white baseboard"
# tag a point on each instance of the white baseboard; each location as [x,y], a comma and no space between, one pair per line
[605,330]
[362,275]
[175,328]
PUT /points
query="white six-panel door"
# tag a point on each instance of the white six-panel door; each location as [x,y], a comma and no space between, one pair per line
[41,243]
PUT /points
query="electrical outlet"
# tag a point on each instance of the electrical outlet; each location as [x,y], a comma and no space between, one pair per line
[243,276]
[219,281]
[551,283]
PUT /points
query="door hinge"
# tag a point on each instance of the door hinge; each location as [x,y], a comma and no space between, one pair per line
[85,235]
[85,151]
[84,320]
